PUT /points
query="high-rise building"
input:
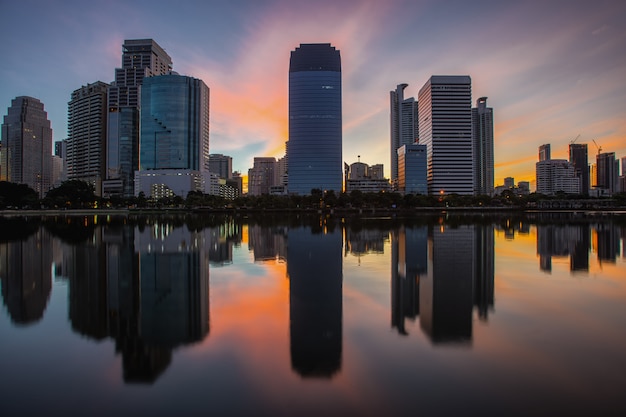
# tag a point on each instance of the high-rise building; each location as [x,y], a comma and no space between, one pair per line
[482,138]
[86,130]
[607,172]
[622,182]
[544,152]
[412,169]
[27,145]
[404,124]
[445,127]
[174,134]
[578,157]
[261,176]
[140,58]
[221,165]
[315,136]
[555,175]
[509,183]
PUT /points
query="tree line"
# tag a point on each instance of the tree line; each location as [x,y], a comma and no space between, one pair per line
[77,194]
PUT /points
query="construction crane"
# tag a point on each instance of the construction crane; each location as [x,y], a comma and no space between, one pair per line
[575,139]
[597,146]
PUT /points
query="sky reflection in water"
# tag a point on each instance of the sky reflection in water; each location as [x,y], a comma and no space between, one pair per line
[313,315]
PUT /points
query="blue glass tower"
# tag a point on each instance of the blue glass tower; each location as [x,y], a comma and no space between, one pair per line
[314,149]
[174,123]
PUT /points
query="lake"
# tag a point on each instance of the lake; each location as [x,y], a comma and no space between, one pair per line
[286,314]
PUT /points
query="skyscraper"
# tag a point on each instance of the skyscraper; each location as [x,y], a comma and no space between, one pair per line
[86,134]
[174,134]
[221,165]
[27,145]
[578,157]
[445,127]
[482,138]
[140,58]
[315,138]
[412,169]
[555,175]
[404,121]
[608,172]
[544,152]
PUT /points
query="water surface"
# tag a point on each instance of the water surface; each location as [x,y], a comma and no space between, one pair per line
[302,315]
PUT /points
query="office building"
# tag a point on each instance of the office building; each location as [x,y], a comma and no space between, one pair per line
[578,158]
[26,156]
[367,179]
[544,152]
[412,169]
[261,176]
[140,58]
[174,134]
[404,125]
[315,136]
[482,138]
[445,127]
[86,134]
[607,172]
[555,175]
[221,165]
[622,182]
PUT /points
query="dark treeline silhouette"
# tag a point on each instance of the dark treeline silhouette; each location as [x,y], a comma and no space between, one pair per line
[76,194]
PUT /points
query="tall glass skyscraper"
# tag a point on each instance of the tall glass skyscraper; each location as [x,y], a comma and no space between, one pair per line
[26,147]
[174,123]
[445,127]
[174,144]
[140,58]
[315,137]
[482,138]
[403,121]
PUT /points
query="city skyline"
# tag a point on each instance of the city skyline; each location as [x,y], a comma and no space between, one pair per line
[547,83]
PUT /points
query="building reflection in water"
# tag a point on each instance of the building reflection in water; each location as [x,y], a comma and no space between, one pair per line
[606,238]
[25,270]
[267,243]
[409,254]
[314,269]
[147,288]
[222,239]
[460,277]
[561,240]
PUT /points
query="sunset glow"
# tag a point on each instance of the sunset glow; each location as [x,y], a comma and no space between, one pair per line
[546,82]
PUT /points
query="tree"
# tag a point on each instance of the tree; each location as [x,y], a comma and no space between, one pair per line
[17,195]
[71,194]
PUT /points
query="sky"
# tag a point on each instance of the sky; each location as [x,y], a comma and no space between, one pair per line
[553,70]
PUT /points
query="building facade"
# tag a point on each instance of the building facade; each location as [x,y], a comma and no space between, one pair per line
[26,147]
[482,138]
[261,177]
[315,119]
[607,172]
[367,179]
[578,157]
[412,169]
[556,175]
[86,134]
[404,125]
[221,165]
[140,58]
[445,127]
[174,128]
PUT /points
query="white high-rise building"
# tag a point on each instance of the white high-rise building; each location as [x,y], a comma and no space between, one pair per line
[555,175]
[445,127]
